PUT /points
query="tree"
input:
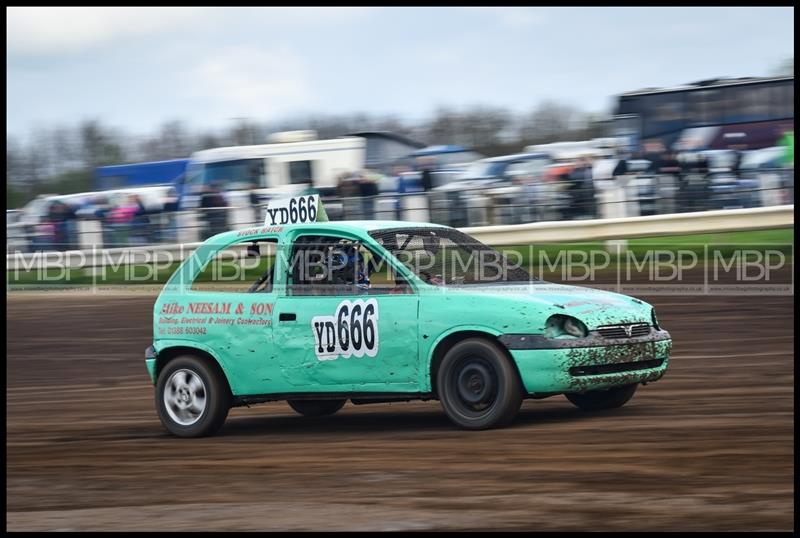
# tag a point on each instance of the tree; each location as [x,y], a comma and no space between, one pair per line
[99,145]
[245,133]
[62,158]
[484,127]
[549,122]
[443,127]
[174,141]
[15,162]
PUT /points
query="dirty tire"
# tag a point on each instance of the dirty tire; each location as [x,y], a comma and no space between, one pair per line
[316,408]
[596,400]
[478,386]
[192,397]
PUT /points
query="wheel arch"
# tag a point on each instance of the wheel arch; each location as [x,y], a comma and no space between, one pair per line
[448,340]
[174,350]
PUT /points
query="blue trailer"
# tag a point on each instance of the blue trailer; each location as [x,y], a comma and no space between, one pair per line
[121,176]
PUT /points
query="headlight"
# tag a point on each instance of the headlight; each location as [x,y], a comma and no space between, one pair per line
[655,321]
[560,326]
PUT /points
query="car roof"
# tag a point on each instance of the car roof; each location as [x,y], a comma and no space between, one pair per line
[352,226]
[372,225]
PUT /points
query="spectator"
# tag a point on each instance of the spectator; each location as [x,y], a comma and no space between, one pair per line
[214,210]
[668,164]
[368,190]
[569,188]
[97,208]
[625,201]
[525,206]
[141,229]
[745,188]
[621,167]
[694,189]
[668,177]
[685,159]
[654,153]
[170,212]
[401,187]
[255,203]
[70,226]
[54,227]
[347,186]
[426,174]
[587,206]
[347,190]
[59,227]
[426,177]
[736,164]
[787,141]
[787,177]
[121,220]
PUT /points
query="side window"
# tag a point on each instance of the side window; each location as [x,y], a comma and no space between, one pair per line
[384,279]
[321,265]
[301,172]
[244,267]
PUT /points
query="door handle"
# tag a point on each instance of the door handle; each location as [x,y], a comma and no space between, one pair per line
[287,316]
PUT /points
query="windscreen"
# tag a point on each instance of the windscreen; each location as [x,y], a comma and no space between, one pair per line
[484,169]
[444,256]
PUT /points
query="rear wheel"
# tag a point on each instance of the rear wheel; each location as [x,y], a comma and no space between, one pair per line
[192,398]
[478,385]
[596,400]
[316,408]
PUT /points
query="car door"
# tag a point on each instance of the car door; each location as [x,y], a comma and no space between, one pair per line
[229,309]
[336,336]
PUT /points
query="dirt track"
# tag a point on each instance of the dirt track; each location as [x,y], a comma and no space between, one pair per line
[709,447]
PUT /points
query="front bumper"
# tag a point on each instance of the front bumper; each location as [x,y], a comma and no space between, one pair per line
[590,363]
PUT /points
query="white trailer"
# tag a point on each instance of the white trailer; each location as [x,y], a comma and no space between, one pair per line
[290,164]
[293,162]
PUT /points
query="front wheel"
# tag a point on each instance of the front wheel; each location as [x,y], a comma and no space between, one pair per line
[596,400]
[192,399]
[316,408]
[478,386]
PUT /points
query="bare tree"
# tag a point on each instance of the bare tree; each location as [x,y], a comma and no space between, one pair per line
[245,133]
[549,122]
[443,127]
[100,146]
[174,140]
[51,155]
[16,173]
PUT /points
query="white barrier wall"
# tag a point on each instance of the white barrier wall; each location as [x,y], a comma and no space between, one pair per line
[90,233]
[727,220]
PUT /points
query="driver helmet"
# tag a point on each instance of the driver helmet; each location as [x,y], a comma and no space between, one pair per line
[348,266]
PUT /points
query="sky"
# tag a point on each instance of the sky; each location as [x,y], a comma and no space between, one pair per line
[135,68]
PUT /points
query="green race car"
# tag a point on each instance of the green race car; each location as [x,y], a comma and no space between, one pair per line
[317,313]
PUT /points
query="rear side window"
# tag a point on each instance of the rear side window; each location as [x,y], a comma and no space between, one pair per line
[245,267]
